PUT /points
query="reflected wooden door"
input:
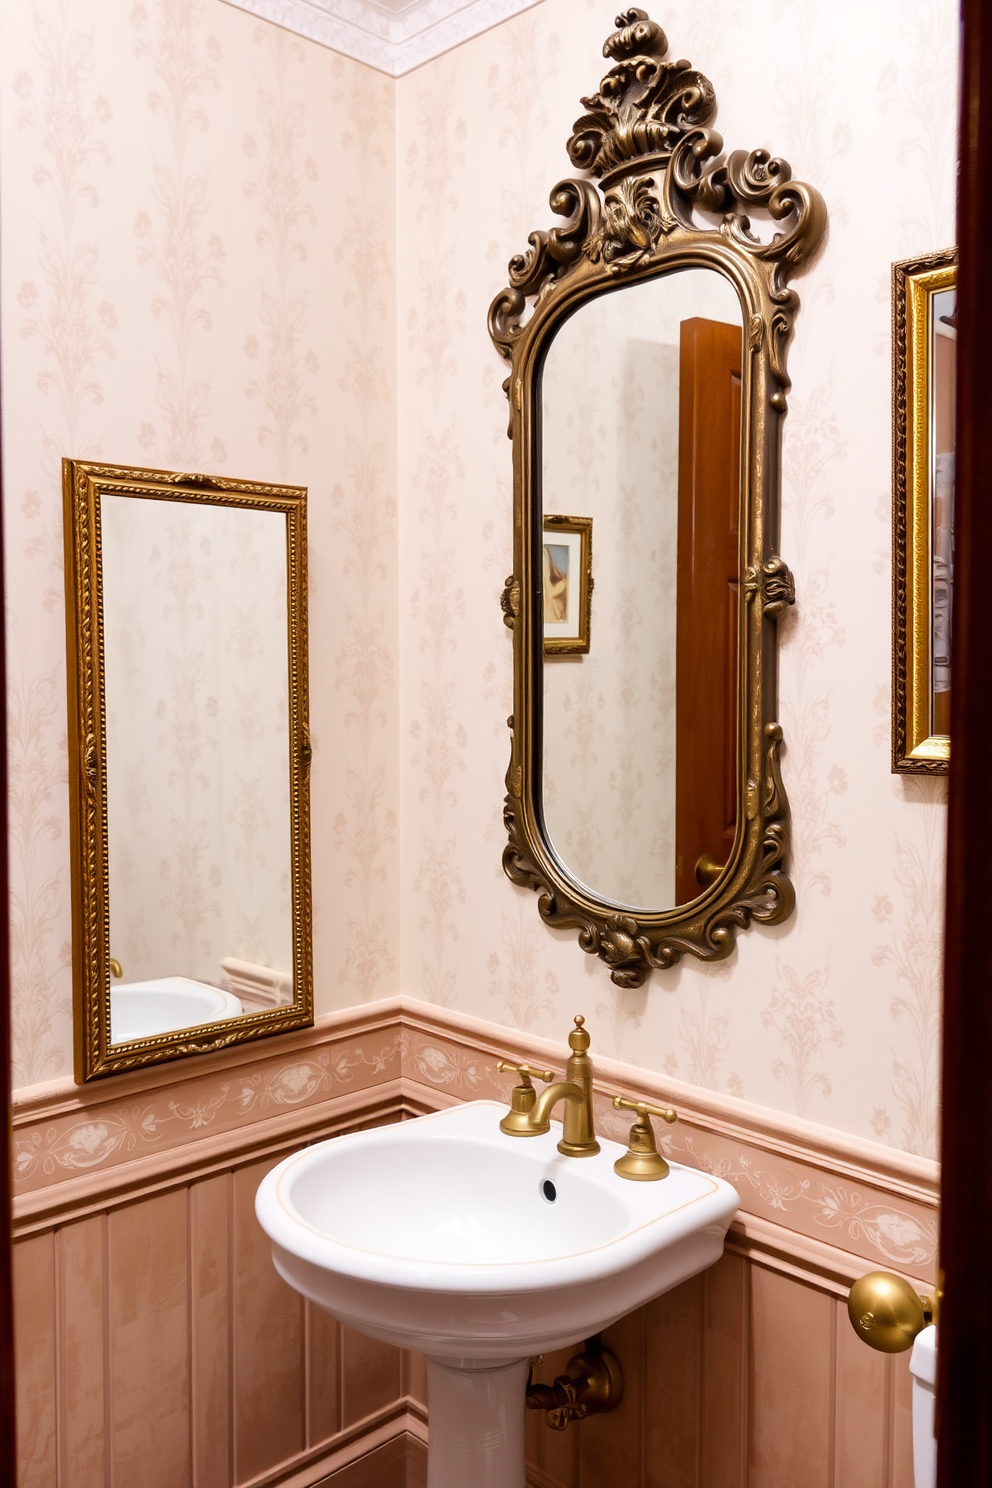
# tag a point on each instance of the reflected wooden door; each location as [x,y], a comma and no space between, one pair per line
[708,564]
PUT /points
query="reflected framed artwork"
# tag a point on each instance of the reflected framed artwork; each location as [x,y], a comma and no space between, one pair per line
[924,351]
[567,585]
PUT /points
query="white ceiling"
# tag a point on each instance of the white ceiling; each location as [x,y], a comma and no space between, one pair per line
[393,36]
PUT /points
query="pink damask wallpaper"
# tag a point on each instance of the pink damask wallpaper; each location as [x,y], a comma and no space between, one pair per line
[833,1016]
[231,249]
[198,274]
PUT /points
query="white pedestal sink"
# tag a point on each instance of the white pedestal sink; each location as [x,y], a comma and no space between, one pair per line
[479,1250]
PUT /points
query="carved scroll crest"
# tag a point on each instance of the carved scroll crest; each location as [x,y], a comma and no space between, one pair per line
[644,137]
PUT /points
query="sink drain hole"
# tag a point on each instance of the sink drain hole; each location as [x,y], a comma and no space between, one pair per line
[549,1191]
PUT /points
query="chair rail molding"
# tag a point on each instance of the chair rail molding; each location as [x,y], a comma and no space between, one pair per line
[393,36]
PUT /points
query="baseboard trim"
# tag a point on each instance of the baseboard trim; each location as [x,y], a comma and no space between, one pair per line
[372,1454]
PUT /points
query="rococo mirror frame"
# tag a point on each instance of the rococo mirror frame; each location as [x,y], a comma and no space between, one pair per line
[83,485]
[651,164]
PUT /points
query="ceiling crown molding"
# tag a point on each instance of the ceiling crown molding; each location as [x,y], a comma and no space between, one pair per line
[393,36]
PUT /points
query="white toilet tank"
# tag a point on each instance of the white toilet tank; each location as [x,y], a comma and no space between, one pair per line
[923,1367]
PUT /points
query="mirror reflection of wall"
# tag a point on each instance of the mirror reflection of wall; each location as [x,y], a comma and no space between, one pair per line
[195,640]
[622,804]
[942,373]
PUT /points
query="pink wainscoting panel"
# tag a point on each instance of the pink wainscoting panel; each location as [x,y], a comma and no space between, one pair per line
[373,1378]
[268,1385]
[610,1446]
[416,1464]
[416,1378]
[861,1424]
[673,1355]
[725,1381]
[790,1440]
[901,1455]
[148,1379]
[81,1305]
[211,1409]
[323,1349]
[36,1342]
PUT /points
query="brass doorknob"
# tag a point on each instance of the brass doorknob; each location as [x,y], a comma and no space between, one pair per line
[886,1312]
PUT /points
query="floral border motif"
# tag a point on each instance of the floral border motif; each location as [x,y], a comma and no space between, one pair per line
[79,1142]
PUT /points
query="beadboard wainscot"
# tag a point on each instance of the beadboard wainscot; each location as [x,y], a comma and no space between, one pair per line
[156,1344]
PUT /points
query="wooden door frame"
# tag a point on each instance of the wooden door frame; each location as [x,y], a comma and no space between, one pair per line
[964,1355]
[8,1437]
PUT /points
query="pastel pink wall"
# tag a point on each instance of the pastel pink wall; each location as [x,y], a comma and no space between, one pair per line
[198,274]
[835,1015]
[283,343]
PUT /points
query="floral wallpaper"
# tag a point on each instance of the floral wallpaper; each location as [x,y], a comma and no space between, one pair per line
[834,1015]
[230,248]
[198,274]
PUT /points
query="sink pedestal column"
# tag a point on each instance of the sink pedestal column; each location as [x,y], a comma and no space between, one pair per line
[476,1423]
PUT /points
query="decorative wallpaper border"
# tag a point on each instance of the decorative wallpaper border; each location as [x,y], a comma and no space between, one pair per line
[832,1196]
[65,1130]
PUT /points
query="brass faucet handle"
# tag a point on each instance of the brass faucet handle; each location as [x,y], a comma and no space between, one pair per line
[516,1122]
[642,1161]
[665,1113]
[526,1070]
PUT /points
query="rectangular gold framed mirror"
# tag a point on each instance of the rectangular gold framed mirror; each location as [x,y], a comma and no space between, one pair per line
[924,350]
[189,765]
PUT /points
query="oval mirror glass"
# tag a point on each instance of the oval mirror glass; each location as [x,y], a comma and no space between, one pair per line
[640,481]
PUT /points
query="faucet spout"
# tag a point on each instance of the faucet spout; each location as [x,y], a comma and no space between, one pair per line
[561,1090]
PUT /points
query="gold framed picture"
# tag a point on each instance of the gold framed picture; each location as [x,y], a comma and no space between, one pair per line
[566,585]
[923,364]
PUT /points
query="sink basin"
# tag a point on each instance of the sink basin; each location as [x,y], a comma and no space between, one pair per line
[479,1249]
[165,1005]
[443,1235]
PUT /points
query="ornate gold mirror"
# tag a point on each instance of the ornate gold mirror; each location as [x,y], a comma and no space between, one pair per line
[189,763]
[924,347]
[645,803]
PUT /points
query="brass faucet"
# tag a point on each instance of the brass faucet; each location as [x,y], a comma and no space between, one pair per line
[530,1114]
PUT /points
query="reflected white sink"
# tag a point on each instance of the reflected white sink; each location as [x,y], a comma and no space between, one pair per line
[165,1005]
[479,1249]
[436,1234]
